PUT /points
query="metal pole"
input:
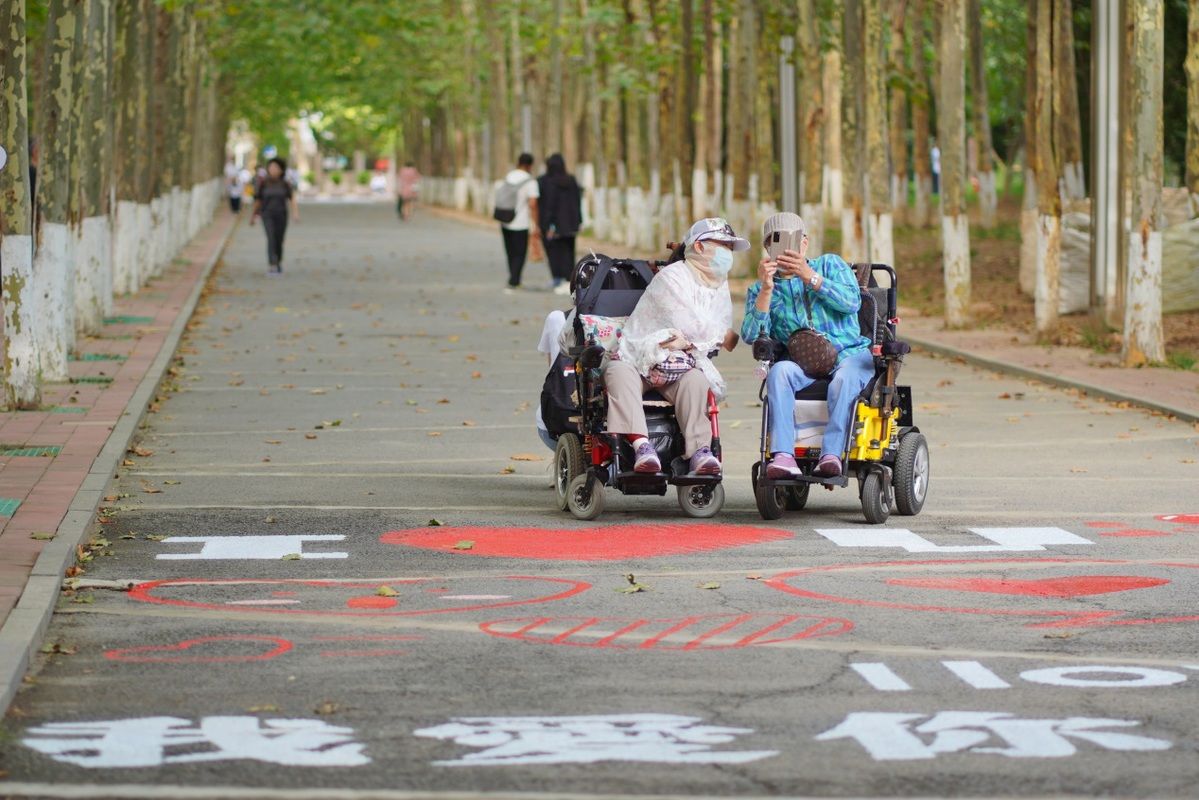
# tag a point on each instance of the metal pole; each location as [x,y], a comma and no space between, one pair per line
[526,128]
[787,123]
[1105,155]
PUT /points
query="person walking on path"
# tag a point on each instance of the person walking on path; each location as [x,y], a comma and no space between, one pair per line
[234,186]
[561,216]
[516,201]
[273,198]
[407,190]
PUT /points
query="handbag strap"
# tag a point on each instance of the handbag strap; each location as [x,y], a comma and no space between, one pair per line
[807,302]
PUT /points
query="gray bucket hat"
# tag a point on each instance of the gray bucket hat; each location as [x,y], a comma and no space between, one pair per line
[715,229]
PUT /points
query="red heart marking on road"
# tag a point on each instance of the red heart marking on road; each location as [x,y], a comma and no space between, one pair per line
[608,543]
[1075,586]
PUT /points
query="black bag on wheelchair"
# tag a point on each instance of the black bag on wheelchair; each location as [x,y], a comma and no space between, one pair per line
[559,397]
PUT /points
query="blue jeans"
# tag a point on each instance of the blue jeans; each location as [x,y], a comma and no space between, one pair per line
[546,439]
[786,378]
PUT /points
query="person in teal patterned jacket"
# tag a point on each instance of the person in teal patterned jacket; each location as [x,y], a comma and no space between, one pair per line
[775,307]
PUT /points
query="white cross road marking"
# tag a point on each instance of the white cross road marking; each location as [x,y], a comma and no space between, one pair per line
[143,742]
[247,548]
[898,737]
[1006,540]
[976,675]
[654,738]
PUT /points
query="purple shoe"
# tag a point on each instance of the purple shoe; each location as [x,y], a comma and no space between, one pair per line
[828,467]
[782,467]
[704,462]
[646,459]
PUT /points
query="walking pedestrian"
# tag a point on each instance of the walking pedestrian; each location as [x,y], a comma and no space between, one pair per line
[234,186]
[407,190]
[560,217]
[273,198]
[516,209]
[934,156]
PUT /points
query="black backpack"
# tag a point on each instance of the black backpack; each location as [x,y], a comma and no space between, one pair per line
[559,397]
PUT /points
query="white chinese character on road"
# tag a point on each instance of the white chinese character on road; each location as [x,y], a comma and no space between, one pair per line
[143,742]
[898,737]
[658,738]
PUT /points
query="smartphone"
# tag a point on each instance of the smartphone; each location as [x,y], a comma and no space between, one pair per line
[781,241]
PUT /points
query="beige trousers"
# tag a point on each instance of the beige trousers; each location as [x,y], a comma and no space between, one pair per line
[689,395]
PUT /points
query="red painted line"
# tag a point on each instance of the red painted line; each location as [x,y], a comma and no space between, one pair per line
[653,640]
[537,623]
[144,593]
[607,640]
[1137,532]
[361,653]
[372,601]
[562,637]
[753,637]
[1072,586]
[1105,525]
[719,629]
[143,654]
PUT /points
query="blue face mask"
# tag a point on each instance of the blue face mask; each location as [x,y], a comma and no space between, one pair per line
[721,262]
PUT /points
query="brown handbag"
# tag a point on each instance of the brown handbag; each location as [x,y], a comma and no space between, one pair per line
[810,349]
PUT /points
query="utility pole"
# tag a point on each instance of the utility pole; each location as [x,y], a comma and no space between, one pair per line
[787,122]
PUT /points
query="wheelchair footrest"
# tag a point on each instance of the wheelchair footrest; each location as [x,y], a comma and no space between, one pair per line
[840,480]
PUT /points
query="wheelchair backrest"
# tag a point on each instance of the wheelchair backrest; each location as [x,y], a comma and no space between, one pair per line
[609,287]
[878,307]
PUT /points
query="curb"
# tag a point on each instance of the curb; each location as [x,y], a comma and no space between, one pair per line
[1052,379]
[23,629]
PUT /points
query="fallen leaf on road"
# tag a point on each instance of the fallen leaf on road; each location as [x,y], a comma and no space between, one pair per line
[265,708]
[42,536]
[406,402]
[709,585]
[1078,469]
[753,577]
[326,708]
[59,648]
[453,337]
[318,391]
[270,520]
[237,382]
[508,470]
[171,483]
[468,423]
[140,452]
[472,357]
[291,557]
[386,591]
[434,523]
[264,392]
[310,436]
[476,374]
[128,462]
[433,433]
[154,537]
[151,489]
[445,401]
[633,586]
[526,457]
[272,441]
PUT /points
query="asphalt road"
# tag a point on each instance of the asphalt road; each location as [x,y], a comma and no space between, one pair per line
[434,624]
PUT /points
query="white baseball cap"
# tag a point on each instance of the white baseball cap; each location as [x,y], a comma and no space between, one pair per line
[715,229]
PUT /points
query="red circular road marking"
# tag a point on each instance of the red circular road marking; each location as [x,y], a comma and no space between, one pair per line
[702,632]
[146,593]
[1075,586]
[608,543]
[162,654]
[1180,519]
[1070,617]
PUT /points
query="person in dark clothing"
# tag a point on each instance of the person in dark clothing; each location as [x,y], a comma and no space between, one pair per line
[560,212]
[273,198]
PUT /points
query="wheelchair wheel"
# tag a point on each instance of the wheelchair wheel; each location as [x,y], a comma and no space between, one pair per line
[876,498]
[770,500]
[585,496]
[568,462]
[797,497]
[911,474]
[701,502]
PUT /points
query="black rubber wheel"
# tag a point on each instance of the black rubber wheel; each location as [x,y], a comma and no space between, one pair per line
[568,462]
[771,500]
[701,502]
[585,497]
[797,497]
[876,499]
[911,474]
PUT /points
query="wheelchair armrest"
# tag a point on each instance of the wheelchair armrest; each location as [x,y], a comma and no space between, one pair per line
[892,349]
[591,357]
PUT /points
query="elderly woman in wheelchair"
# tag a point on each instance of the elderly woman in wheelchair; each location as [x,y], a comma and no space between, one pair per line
[829,338]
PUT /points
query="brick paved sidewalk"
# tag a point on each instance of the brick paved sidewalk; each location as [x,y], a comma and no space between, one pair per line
[45,455]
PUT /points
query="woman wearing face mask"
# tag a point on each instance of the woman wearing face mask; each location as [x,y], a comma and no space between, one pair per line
[684,314]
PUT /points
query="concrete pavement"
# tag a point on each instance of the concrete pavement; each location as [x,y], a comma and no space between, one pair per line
[351,576]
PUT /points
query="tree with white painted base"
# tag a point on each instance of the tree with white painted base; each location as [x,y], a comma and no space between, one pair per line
[853,177]
[951,129]
[20,360]
[921,99]
[1048,167]
[1192,69]
[811,119]
[988,200]
[1143,342]
[881,239]
[1028,208]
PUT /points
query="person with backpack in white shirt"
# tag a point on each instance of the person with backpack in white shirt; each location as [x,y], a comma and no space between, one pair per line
[516,211]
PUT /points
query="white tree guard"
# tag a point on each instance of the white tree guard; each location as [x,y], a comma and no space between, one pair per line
[853,240]
[21,364]
[833,193]
[1143,298]
[882,238]
[988,198]
[54,278]
[93,274]
[955,244]
[1047,293]
[813,217]
[124,247]
[143,256]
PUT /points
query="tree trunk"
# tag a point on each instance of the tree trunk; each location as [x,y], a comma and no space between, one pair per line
[701,205]
[1069,133]
[1192,69]
[128,148]
[1048,169]
[876,129]
[834,195]
[766,101]
[93,261]
[921,99]
[741,84]
[811,124]
[853,214]
[146,164]
[988,199]
[53,261]
[553,101]
[22,387]
[951,130]
[1143,342]
[1028,211]
[898,113]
